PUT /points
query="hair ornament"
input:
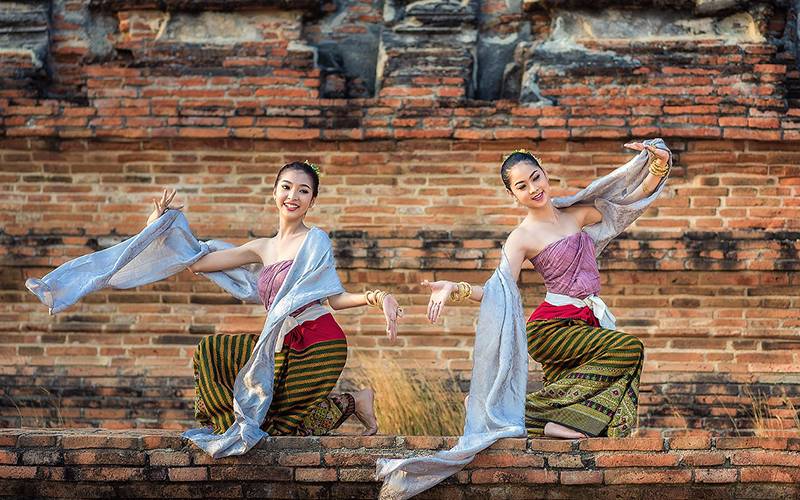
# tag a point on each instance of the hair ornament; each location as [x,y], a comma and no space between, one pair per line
[524,152]
[314,167]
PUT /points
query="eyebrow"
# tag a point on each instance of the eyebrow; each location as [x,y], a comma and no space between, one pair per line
[306,185]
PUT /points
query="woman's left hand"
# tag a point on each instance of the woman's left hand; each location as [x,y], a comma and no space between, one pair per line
[662,154]
[392,312]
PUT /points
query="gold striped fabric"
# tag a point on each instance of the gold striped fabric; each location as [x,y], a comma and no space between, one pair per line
[303,382]
[591,378]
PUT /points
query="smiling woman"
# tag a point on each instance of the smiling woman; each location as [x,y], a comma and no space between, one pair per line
[311,349]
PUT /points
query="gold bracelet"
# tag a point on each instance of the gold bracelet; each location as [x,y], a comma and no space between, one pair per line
[375,298]
[657,168]
[462,292]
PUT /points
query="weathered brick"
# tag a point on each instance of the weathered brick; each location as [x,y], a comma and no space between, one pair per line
[568,477]
[769,474]
[250,473]
[635,460]
[168,457]
[315,474]
[716,475]
[187,474]
[299,459]
[635,476]
[17,472]
[630,444]
[510,475]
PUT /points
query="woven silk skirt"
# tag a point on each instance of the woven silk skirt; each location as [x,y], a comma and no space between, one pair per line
[306,370]
[591,378]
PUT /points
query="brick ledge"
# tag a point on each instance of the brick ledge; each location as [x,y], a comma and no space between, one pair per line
[158,463]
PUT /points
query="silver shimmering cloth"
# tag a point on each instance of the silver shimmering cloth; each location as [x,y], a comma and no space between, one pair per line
[496,407]
[166,247]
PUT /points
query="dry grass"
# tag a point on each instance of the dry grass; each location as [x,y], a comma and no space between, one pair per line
[772,420]
[39,415]
[412,402]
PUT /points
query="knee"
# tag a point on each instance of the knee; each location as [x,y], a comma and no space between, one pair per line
[635,346]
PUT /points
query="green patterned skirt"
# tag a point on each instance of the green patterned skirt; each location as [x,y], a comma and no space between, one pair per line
[306,371]
[591,378]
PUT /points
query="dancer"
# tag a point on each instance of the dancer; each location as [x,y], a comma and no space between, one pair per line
[280,380]
[311,351]
[591,371]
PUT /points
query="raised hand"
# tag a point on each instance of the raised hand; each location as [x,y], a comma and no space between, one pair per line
[659,153]
[161,206]
[392,312]
[440,292]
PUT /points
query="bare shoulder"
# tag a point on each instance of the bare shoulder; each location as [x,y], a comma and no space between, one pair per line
[522,239]
[259,246]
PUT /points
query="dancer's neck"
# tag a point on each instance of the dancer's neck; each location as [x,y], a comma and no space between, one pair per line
[547,213]
[291,229]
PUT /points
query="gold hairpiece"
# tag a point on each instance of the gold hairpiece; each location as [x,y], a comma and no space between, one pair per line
[525,152]
[313,166]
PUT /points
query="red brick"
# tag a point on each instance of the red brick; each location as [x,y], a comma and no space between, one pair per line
[489,460]
[17,472]
[551,445]
[581,477]
[515,476]
[732,443]
[187,474]
[250,473]
[716,475]
[8,457]
[690,442]
[299,459]
[635,460]
[769,475]
[701,458]
[164,457]
[635,476]
[758,457]
[315,475]
[357,475]
[627,444]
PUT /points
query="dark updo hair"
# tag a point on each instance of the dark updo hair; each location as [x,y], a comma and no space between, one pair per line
[512,160]
[303,167]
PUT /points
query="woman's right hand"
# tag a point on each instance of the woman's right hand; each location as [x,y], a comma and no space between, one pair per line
[161,206]
[440,292]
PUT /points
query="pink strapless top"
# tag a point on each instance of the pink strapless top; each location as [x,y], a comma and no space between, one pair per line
[569,266]
[270,281]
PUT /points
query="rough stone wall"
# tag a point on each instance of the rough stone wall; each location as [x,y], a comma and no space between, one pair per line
[409,108]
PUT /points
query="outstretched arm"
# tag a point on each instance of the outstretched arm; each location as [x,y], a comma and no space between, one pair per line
[391,309]
[586,215]
[515,249]
[227,259]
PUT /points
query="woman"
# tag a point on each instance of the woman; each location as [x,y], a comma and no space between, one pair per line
[311,349]
[591,371]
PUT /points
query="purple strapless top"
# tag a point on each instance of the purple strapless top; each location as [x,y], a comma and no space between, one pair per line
[569,266]
[270,281]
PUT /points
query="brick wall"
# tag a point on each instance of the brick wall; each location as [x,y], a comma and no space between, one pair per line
[104,102]
[160,464]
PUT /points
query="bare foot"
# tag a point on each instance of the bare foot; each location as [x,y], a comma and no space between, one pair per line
[365,410]
[552,429]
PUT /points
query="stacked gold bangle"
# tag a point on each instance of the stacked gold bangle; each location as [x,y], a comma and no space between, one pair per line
[658,167]
[375,298]
[463,291]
